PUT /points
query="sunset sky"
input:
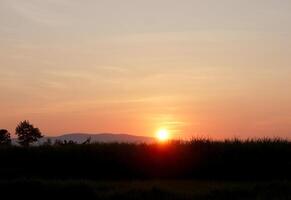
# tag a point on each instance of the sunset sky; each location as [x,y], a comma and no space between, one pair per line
[195,67]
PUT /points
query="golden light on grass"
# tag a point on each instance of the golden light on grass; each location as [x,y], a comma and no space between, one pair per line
[163,135]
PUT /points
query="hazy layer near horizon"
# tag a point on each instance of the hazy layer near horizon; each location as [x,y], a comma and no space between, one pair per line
[206,67]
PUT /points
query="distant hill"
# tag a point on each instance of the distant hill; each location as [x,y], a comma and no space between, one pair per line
[101,137]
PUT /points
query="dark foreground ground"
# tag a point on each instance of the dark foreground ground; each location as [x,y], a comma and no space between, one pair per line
[197,169]
[149,190]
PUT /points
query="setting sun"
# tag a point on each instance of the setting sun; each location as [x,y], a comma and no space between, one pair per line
[163,135]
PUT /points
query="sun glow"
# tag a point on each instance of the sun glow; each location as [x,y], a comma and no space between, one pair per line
[163,135]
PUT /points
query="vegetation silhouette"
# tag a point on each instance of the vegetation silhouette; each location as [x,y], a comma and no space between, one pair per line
[262,159]
[64,142]
[5,138]
[201,168]
[27,133]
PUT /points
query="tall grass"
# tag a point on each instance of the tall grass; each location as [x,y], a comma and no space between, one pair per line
[253,159]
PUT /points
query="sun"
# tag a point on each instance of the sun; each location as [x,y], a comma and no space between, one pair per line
[163,135]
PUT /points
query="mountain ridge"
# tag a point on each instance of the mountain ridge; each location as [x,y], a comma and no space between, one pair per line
[96,138]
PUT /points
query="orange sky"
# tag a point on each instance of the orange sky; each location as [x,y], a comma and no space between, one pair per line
[198,68]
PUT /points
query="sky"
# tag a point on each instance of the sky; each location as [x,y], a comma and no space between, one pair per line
[199,68]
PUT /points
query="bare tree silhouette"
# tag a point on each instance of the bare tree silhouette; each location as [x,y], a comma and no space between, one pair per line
[27,133]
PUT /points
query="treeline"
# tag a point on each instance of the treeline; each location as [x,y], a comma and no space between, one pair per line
[265,159]
[26,133]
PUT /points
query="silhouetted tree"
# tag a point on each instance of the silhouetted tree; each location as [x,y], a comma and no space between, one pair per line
[64,142]
[27,133]
[58,142]
[5,137]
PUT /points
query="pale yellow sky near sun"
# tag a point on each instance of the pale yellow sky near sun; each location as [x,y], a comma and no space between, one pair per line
[196,67]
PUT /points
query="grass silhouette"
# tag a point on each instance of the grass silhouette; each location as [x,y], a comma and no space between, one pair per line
[261,159]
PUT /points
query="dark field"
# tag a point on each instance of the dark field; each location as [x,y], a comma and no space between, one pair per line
[199,169]
[153,189]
